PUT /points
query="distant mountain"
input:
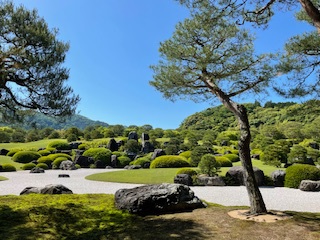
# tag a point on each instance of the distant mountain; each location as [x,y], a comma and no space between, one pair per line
[42,121]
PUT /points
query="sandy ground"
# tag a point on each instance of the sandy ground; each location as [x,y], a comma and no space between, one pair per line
[279,199]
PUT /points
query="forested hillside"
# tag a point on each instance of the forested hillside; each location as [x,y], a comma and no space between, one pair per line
[220,119]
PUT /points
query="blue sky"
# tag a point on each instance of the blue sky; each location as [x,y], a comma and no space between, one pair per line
[113,43]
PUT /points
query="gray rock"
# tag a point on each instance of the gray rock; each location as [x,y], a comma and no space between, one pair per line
[114,161]
[67,165]
[145,137]
[4,152]
[277,177]
[49,189]
[83,161]
[310,186]
[132,167]
[113,145]
[74,145]
[157,153]
[37,170]
[133,135]
[236,174]
[63,176]
[147,147]
[157,199]
[185,179]
[210,181]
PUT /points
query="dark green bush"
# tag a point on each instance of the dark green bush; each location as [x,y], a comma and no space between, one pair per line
[59,145]
[43,166]
[82,146]
[28,166]
[45,159]
[232,157]
[54,156]
[124,161]
[197,154]
[298,172]
[223,161]
[169,161]
[191,172]
[25,156]
[8,168]
[101,154]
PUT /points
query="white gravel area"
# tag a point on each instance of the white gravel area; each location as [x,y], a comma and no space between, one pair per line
[275,198]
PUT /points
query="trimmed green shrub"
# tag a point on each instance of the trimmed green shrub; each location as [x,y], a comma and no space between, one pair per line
[82,146]
[197,154]
[43,166]
[223,161]
[45,159]
[8,168]
[101,154]
[232,157]
[191,172]
[25,156]
[28,166]
[117,153]
[169,161]
[13,152]
[124,161]
[54,156]
[44,152]
[298,172]
[59,145]
[208,164]
[141,161]
[186,154]
[56,163]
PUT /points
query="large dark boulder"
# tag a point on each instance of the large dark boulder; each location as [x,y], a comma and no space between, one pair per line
[67,165]
[4,152]
[113,145]
[145,137]
[309,186]
[49,189]
[133,135]
[236,175]
[147,147]
[277,177]
[74,145]
[83,161]
[185,179]
[157,199]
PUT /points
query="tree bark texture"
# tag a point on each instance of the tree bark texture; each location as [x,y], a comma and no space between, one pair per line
[312,11]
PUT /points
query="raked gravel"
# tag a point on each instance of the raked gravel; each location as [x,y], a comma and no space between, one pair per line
[275,198]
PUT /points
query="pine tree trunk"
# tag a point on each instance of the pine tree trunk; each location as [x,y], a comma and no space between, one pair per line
[257,205]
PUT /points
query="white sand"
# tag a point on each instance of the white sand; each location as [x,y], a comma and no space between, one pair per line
[275,198]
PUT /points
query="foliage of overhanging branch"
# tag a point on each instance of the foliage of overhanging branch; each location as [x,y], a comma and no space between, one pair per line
[206,53]
[32,75]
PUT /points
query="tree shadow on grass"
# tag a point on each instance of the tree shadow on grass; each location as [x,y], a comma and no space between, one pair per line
[311,221]
[13,224]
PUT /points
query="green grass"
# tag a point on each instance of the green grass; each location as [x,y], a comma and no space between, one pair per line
[140,176]
[7,160]
[160,175]
[29,145]
[3,178]
[93,216]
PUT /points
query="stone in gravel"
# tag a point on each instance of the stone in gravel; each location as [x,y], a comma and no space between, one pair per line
[37,170]
[157,199]
[67,165]
[63,176]
[309,186]
[132,167]
[210,181]
[49,189]
[277,177]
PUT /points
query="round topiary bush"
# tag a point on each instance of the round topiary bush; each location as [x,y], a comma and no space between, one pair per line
[56,163]
[124,161]
[13,152]
[169,161]
[45,159]
[223,161]
[232,157]
[43,166]
[59,145]
[44,152]
[25,156]
[186,154]
[28,166]
[8,168]
[54,156]
[142,161]
[298,172]
[191,172]
[101,154]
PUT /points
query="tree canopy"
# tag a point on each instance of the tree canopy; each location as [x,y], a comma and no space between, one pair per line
[32,75]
